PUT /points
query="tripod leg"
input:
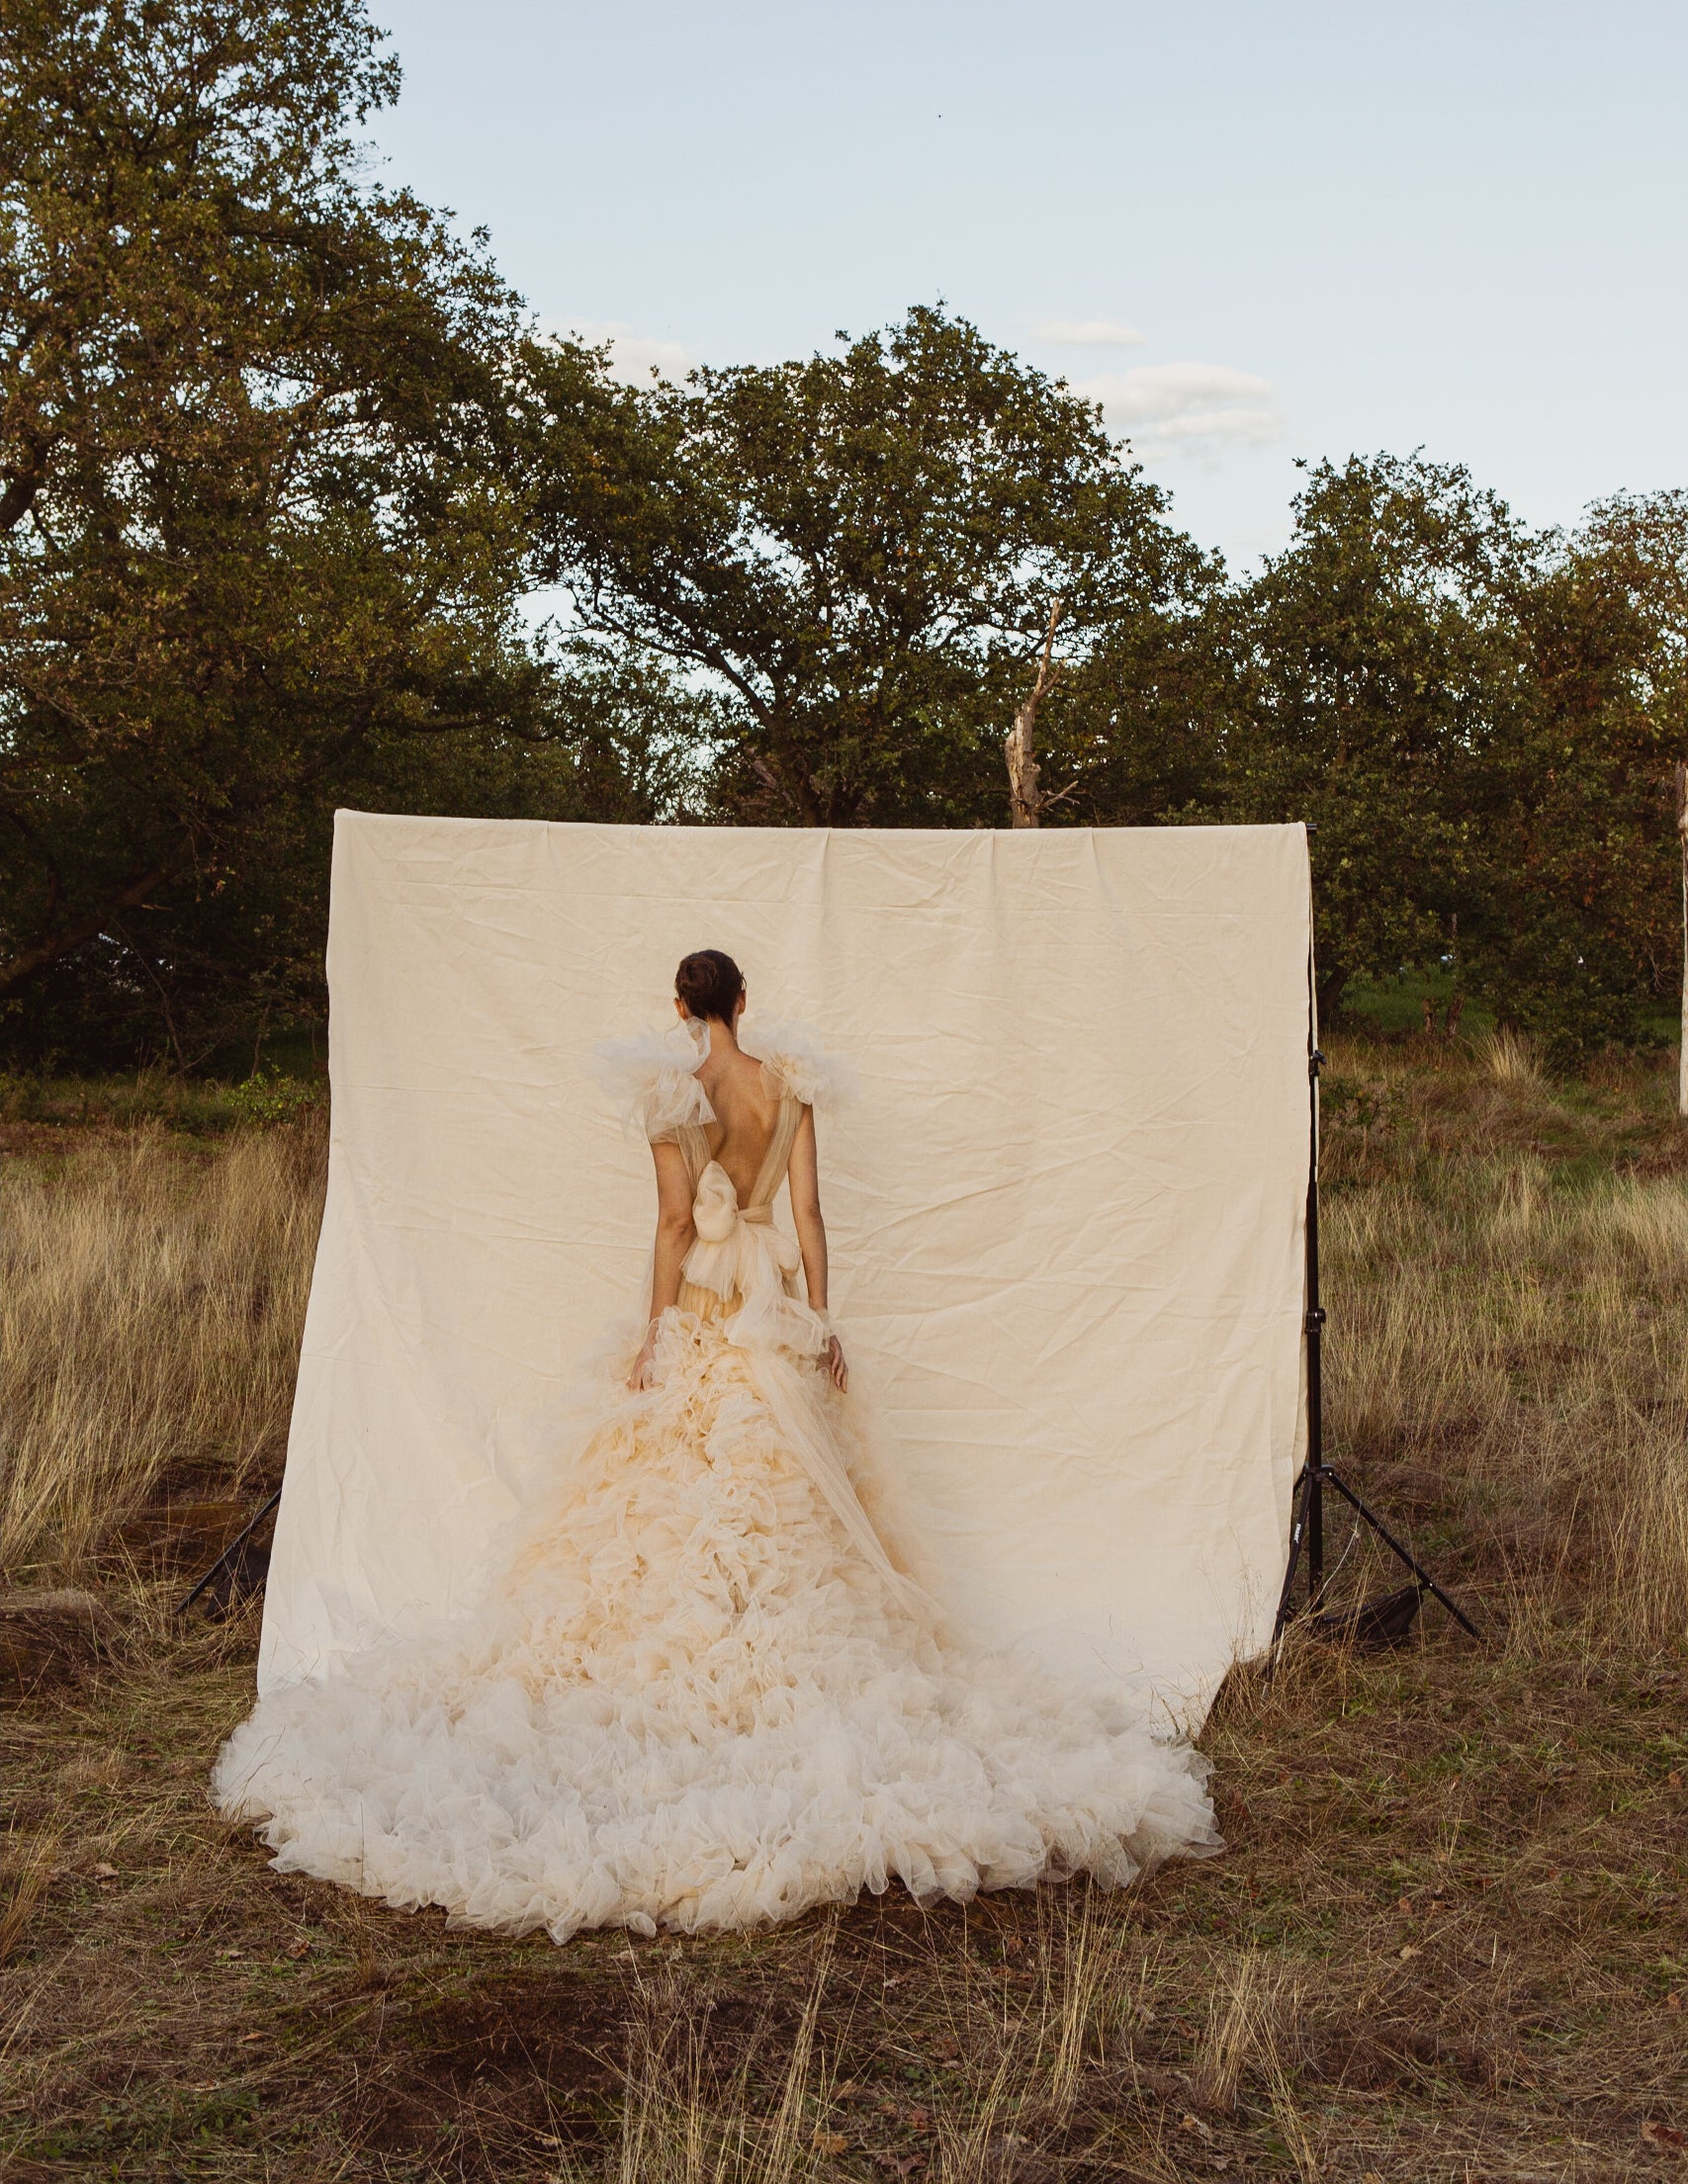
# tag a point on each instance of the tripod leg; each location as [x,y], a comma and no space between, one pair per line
[1393,1544]
[228,1553]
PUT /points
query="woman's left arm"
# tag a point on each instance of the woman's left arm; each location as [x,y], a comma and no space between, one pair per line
[675,1234]
[803,1180]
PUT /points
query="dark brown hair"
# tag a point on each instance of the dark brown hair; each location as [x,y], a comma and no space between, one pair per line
[710,982]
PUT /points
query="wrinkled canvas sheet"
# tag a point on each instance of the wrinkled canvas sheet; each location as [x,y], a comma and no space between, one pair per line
[1065,1205]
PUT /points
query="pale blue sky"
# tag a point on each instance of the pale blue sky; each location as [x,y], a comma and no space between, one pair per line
[1333,226]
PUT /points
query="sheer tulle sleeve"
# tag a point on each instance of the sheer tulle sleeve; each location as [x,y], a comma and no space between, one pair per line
[794,1062]
[651,1079]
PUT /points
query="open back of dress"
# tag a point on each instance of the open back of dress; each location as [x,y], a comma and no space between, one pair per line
[716,1202]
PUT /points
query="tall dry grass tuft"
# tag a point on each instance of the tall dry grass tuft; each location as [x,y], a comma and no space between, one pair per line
[1026,2065]
[1240,2011]
[27,1870]
[680,2124]
[1521,1341]
[151,1307]
[1509,1057]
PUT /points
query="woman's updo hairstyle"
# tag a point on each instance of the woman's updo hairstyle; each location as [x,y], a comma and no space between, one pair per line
[709,983]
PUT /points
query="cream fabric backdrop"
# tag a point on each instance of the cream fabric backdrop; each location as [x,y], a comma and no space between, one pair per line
[1065,1203]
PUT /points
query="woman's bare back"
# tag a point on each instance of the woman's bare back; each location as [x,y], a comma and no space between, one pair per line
[746,1113]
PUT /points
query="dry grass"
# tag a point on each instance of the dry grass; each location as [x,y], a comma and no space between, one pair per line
[1533,1339]
[1507,1356]
[1443,1944]
[150,1305]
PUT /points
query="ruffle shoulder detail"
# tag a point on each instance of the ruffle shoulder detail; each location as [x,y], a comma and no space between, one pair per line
[793,1059]
[651,1079]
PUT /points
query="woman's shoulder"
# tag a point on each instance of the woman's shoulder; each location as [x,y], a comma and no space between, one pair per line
[651,1079]
[794,1063]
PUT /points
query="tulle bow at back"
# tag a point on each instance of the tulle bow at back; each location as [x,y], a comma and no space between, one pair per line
[738,1249]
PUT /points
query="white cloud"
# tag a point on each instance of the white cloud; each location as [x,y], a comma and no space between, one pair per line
[634,356]
[1089,333]
[1196,410]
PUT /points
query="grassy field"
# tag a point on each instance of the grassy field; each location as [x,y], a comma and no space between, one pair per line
[1447,1940]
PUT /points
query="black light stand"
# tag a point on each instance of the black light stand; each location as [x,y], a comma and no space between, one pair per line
[1377,1620]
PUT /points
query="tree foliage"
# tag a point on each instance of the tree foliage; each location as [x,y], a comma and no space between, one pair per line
[258,539]
[1376,660]
[861,552]
[1576,928]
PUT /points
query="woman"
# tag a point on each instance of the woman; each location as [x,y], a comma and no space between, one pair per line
[698,1693]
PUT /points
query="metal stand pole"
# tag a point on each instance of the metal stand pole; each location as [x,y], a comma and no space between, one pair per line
[1307,1506]
[1315,1320]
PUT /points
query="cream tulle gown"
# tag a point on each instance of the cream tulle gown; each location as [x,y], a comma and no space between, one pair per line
[697,1692]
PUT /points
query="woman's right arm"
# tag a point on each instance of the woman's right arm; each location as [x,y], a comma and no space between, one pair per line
[675,1234]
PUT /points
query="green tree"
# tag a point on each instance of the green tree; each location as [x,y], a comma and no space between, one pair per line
[261,536]
[199,978]
[860,550]
[1576,925]
[1377,660]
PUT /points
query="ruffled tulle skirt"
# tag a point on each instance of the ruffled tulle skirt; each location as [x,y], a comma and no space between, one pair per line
[691,1699]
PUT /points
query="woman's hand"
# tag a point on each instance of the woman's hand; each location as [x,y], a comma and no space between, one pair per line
[832,1359]
[644,1373]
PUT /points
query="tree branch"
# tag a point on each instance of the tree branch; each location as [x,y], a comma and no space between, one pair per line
[70,937]
[1025,802]
[17,500]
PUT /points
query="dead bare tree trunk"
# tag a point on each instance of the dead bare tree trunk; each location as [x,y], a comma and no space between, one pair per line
[1682,837]
[1026,799]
